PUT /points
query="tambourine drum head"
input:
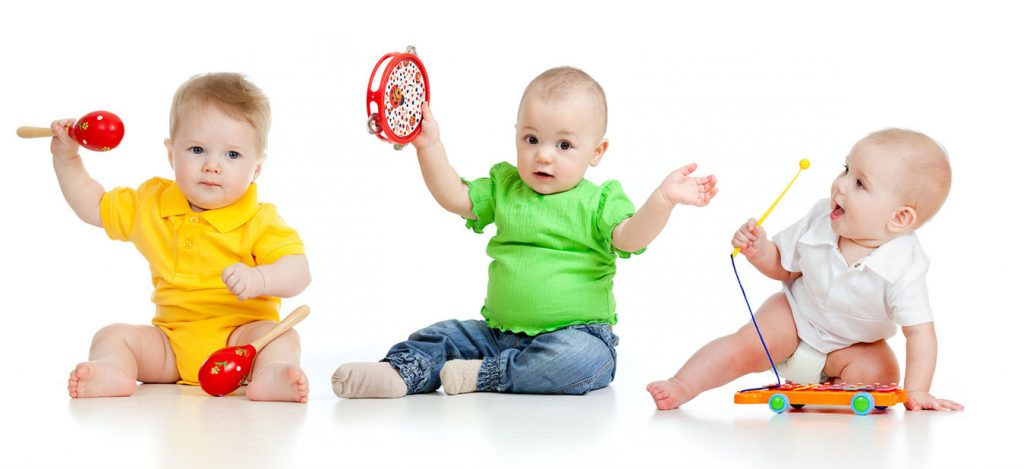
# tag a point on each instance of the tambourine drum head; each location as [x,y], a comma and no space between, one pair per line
[404,94]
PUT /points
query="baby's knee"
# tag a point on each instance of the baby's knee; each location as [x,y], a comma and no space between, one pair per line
[589,355]
[880,368]
[747,359]
[113,333]
[589,369]
[595,356]
[445,325]
[291,335]
[745,352]
[440,331]
[264,327]
[881,371]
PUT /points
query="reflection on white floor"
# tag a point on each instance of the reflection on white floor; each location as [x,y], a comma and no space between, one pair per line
[169,426]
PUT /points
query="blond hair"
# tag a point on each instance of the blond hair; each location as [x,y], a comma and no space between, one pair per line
[564,82]
[927,175]
[232,93]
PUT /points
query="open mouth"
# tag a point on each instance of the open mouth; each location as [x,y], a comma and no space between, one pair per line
[837,211]
[543,175]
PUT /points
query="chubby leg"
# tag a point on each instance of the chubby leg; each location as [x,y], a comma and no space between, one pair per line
[727,358]
[864,363]
[120,355]
[276,375]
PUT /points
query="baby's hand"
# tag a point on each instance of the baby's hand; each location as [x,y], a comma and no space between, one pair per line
[244,281]
[62,145]
[750,238]
[680,188]
[918,400]
[429,133]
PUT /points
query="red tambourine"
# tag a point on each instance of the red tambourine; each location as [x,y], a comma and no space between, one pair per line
[395,109]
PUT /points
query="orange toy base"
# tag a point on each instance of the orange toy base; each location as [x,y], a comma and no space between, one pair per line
[860,398]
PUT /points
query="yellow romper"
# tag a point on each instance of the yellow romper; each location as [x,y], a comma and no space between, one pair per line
[188,251]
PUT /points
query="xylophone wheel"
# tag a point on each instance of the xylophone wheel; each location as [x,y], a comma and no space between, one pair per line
[861,403]
[778,403]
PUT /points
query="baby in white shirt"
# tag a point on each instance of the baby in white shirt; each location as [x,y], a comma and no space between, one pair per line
[853,270]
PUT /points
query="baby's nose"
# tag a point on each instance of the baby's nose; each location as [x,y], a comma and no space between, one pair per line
[838,187]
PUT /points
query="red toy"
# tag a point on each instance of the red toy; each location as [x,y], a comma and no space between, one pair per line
[403,88]
[97,131]
[228,368]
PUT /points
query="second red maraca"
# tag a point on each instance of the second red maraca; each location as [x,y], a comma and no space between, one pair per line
[229,367]
[97,131]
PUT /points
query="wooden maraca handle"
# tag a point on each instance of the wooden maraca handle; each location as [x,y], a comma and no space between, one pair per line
[294,318]
[34,132]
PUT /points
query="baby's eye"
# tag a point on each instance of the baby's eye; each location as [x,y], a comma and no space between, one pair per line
[196,150]
[234,155]
[531,140]
[563,145]
[860,184]
[846,169]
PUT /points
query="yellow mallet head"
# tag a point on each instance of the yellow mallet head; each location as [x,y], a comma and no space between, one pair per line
[805,163]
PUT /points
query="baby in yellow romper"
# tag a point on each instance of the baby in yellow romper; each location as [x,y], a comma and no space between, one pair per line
[220,260]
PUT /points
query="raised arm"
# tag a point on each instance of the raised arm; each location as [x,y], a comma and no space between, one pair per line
[636,232]
[285,278]
[922,349]
[81,191]
[443,182]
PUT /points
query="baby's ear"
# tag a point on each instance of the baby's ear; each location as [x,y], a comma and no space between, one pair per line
[903,220]
[599,152]
[170,153]
[259,167]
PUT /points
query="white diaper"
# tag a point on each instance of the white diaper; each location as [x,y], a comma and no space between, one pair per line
[805,366]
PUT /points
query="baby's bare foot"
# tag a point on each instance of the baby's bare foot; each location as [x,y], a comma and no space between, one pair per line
[100,379]
[279,382]
[669,394]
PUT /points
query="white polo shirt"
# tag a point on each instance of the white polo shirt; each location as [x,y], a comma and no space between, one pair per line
[836,305]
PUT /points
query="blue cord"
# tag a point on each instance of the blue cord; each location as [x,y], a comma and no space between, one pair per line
[758,329]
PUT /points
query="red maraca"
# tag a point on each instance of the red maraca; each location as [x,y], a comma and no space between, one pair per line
[228,368]
[97,131]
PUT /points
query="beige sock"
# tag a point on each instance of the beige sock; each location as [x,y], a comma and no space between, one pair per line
[459,376]
[373,379]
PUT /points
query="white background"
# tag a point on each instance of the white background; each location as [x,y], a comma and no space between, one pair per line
[745,89]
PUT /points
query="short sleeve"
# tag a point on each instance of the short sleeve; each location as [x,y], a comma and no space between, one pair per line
[118,212]
[788,239]
[613,208]
[482,195]
[908,299]
[274,239]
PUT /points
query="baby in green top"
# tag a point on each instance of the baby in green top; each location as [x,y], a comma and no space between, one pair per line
[549,306]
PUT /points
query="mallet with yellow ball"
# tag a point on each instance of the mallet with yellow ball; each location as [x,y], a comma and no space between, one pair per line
[804,164]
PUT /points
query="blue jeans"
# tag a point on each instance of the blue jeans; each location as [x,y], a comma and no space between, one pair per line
[572,360]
